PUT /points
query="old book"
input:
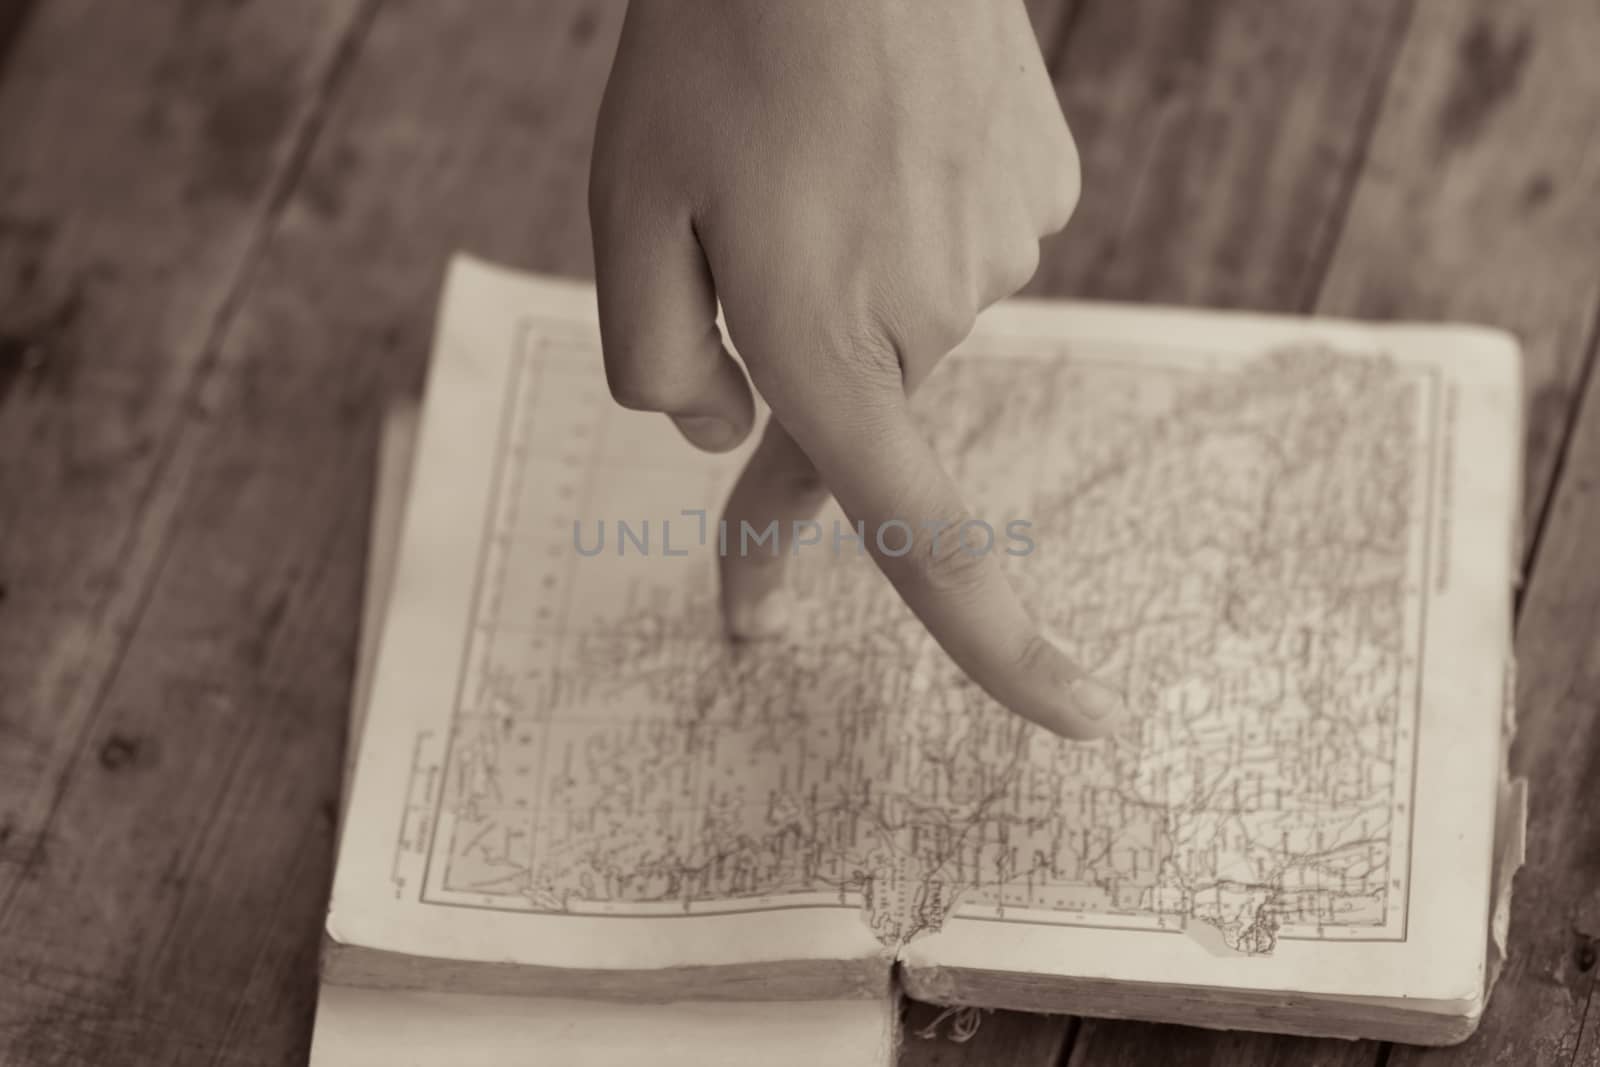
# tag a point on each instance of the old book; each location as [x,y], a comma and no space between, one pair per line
[1292,542]
[384,1027]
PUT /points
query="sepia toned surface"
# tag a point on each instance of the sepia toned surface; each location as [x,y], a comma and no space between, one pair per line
[222,233]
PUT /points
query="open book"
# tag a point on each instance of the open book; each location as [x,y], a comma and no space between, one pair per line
[1291,541]
[426,1028]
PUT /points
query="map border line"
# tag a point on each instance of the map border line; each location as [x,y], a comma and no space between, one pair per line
[1431,374]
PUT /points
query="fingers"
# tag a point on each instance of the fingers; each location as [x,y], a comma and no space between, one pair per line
[1054,185]
[1009,270]
[886,477]
[658,329]
[778,484]
[1058,199]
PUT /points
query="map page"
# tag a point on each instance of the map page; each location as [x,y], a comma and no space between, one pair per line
[384,1027]
[1288,542]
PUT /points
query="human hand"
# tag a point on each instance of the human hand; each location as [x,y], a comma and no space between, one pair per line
[855,180]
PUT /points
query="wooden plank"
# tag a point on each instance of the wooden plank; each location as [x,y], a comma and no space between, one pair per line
[1588,1050]
[1218,145]
[143,146]
[931,1039]
[1120,1044]
[1477,200]
[1548,989]
[178,919]
[1052,22]
[13,13]
[1218,139]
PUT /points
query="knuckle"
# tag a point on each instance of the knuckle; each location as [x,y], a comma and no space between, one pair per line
[931,309]
[1019,267]
[1068,163]
[783,465]
[801,479]
[942,563]
[1065,190]
[650,390]
[1062,205]
[1028,259]
[873,336]
[1062,183]
[1034,656]
[894,318]
[949,320]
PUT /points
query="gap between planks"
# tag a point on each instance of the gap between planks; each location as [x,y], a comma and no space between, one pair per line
[13,20]
[1558,466]
[150,511]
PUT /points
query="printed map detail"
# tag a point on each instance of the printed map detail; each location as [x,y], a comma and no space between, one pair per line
[1239,543]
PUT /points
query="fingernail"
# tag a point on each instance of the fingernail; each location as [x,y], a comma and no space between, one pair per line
[1100,705]
[708,431]
[767,617]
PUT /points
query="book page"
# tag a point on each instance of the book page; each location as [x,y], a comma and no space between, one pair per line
[386,1027]
[515,800]
[383,1027]
[1289,542]
[1302,566]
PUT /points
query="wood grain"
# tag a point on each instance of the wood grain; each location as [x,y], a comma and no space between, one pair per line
[196,822]
[1219,140]
[1119,1044]
[1477,200]
[1587,1053]
[13,13]
[1001,1037]
[143,145]
[1052,22]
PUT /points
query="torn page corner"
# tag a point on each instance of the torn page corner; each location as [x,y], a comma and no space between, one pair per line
[1510,832]
[1510,851]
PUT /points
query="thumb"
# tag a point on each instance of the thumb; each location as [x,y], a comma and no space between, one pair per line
[658,323]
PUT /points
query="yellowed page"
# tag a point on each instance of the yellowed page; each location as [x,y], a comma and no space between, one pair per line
[1290,541]
[1307,570]
[479,698]
[381,1027]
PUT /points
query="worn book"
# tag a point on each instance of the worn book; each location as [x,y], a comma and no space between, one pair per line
[430,1028]
[1292,542]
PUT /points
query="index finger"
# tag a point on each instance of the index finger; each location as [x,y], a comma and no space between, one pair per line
[887,478]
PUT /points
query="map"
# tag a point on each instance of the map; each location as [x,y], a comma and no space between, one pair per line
[1239,542]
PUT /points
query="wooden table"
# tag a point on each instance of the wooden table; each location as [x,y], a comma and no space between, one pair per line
[222,231]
